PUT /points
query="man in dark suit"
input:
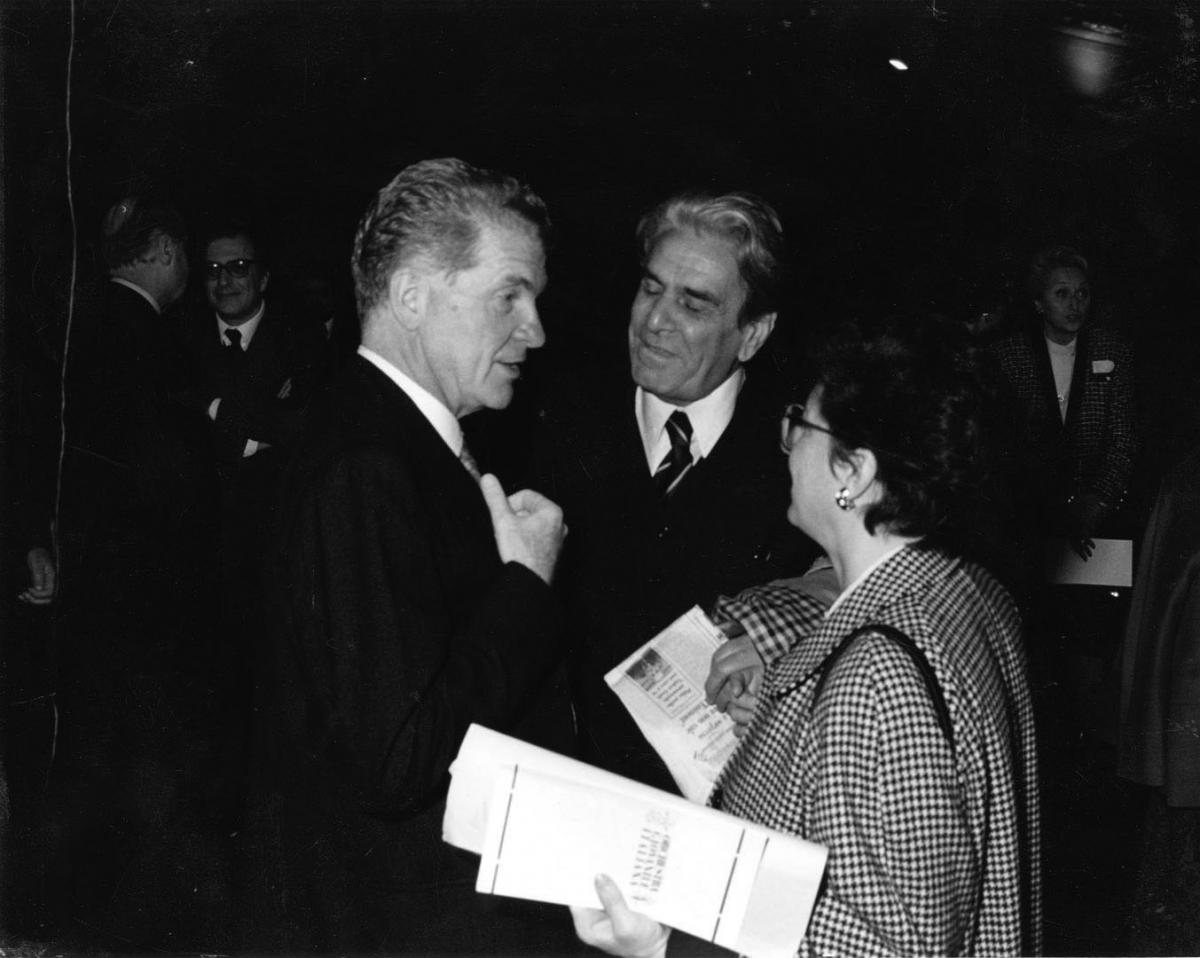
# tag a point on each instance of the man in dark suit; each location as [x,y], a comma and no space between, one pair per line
[258,364]
[409,596]
[254,368]
[134,510]
[674,484]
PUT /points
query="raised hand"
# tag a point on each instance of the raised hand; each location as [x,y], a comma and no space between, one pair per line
[529,528]
[734,679]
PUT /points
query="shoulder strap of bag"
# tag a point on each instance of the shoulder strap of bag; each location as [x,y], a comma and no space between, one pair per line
[914,653]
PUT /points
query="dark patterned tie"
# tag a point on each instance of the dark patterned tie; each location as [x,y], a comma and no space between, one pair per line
[679,460]
[469,463]
[234,338]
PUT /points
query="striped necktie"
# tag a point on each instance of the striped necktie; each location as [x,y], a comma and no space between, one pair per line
[679,460]
[469,463]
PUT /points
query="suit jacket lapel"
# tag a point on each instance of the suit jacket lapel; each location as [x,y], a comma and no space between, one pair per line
[1045,376]
[414,437]
[1078,379]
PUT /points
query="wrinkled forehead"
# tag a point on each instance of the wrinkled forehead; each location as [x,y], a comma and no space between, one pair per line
[703,254]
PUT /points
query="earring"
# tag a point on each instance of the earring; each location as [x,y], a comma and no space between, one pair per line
[843,500]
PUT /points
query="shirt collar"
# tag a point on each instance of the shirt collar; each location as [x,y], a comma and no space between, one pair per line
[441,418]
[709,416]
[247,328]
[122,281]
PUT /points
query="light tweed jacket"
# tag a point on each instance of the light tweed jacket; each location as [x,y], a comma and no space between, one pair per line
[934,850]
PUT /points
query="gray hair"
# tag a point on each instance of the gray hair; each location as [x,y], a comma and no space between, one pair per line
[432,211]
[746,220]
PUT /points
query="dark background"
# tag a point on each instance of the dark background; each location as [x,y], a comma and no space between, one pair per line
[922,186]
[1017,124]
[928,187]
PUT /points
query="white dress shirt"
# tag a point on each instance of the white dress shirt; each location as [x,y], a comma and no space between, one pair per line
[709,416]
[1062,364]
[247,328]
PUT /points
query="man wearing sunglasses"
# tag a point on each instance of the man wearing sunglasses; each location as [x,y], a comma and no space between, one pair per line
[255,367]
[257,364]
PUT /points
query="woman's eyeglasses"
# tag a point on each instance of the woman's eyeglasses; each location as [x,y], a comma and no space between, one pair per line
[793,419]
[236,268]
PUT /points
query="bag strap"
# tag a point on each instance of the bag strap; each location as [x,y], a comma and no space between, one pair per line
[914,653]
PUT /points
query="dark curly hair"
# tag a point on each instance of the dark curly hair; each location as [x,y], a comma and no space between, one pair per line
[432,210]
[908,389]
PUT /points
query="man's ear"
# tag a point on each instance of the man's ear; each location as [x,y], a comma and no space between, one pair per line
[264,280]
[408,295]
[163,249]
[754,334]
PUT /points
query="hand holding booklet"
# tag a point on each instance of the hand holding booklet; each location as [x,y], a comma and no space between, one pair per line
[545,826]
[662,686]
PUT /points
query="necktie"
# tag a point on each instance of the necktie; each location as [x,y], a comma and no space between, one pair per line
[676,462]
[469,463]
[234,338]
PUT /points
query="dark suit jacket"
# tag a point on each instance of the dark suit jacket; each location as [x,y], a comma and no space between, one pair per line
[262,395]
[395,625]
[1093,450]
[633,563]
[136,494]
[1160,683]
[123,432]
[264,392]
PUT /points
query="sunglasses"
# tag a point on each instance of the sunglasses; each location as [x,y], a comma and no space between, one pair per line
[236,268]
[793,419]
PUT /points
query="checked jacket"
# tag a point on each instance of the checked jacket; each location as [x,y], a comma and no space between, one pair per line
[1093,451]
[933,849]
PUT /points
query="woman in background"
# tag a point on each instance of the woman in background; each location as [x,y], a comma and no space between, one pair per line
[1075,436]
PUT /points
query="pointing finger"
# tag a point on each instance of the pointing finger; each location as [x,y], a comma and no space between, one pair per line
[493,495]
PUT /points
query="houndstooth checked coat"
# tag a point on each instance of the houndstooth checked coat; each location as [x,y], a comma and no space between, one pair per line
[1093,451]
[932,851]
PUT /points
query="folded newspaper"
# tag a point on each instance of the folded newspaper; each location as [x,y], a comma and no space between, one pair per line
[545,826]
[662,686]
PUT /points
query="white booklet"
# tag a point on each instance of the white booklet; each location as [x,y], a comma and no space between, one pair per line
[1110,565]
[662,686]
[545,826]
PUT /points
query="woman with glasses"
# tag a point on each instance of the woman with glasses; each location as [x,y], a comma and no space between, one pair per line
[898,731]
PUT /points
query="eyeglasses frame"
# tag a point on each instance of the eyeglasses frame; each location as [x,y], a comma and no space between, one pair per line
[793,418]
[213,269]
